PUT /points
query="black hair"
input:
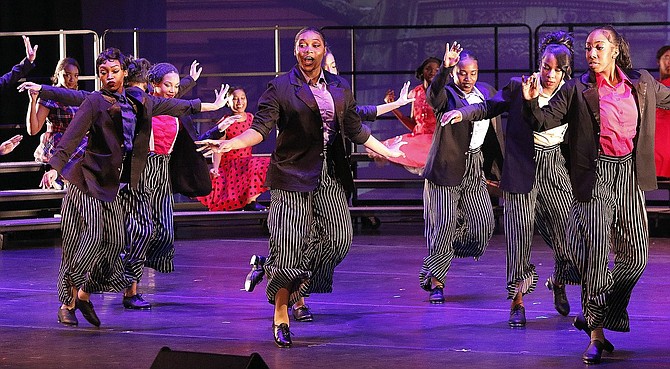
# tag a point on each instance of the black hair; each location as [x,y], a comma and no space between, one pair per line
[138,70]
[560,44]
[623,57]
[662,51]
[309,29]
[419,71]
[112,53]
[158,71]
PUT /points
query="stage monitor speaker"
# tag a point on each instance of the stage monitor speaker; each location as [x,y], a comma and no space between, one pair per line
[168,359]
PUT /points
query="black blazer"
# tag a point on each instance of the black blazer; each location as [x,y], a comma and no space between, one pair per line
[296,162]
[97,173]
[518,174]
[9,79]
[578,103]
[446,159]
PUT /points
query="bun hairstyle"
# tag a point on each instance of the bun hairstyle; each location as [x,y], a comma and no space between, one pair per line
[158,71]
[623,56]
[560,44]
[419,71]
[138,70]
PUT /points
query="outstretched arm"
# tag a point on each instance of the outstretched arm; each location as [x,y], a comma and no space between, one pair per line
[20,70]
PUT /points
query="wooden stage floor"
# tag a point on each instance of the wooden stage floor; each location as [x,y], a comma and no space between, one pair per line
[377,316]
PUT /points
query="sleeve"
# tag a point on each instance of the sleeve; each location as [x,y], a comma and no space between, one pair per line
[662,94]
[367,113]
[9,79]
[357,132]
[437,95]
[186,84]
[63,95]
[551,115]
[268,112]
[75,132]
[173,107]
[212,134]
[490,108]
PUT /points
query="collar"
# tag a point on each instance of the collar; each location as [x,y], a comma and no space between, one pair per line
[475,91]
[543,94]
[321,79]
[600,81]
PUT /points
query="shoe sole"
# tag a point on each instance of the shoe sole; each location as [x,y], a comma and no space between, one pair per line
[581,326]
[516,325]
[68,324]
[137,307]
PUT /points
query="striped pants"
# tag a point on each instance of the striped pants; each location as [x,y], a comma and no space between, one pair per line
[149,221]
[310,234]
[615,219]
[93,239]
[458,220]
[547,206]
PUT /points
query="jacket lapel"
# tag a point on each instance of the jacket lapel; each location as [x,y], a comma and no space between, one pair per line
[302,90]
[591,97]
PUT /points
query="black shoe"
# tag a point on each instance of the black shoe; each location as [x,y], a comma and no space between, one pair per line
[66,316]
[593,353]
[254,206]
[561,303]
[86,308]
[255,276]
[303,314]
[282,335]
[436,295]
[580,324]
[517,316]
[135,302]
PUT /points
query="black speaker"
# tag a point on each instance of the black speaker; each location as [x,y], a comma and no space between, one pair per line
[168,359]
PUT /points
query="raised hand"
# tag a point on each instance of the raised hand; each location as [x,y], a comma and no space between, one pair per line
[31,52]
[195,71]
[30,86]
[530,87]
[404,95]
[451,117]
[452,54]
[221,96]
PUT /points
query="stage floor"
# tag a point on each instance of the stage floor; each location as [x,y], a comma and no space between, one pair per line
[377,316]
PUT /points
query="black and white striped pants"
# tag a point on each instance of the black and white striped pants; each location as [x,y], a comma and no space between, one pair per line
[310,234]
[149,220]
[458,220]
[547,206]
[93,239]
[615,219]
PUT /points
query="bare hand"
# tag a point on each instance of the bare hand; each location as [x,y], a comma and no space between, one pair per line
[31,52]
[214,172]
[452,54]
[221,96]
[530,87]
[30,86]
[195,71]
[404,98]
[48,179]
[451,117]
[9,145]
[216,146]
[226,122]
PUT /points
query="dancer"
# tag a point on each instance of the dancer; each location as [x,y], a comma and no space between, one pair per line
[237,177]
[149,207]
[309,176]
[661,147]
[116,122]
[535,181]
[56,115]
[457,207]
[611,114]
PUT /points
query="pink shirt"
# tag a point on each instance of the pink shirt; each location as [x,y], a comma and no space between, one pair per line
[618,115]
[164,130]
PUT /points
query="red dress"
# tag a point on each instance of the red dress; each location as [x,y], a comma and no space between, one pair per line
[662,144]
[241,176]
[419,140]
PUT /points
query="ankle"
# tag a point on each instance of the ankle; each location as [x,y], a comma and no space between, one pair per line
[83,296]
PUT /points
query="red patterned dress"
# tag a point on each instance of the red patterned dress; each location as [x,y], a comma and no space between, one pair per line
[419,140]
[662,145]
[241,176]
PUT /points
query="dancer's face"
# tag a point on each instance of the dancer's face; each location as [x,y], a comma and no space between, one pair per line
[429,71]
[466,73]
[601,53]
[329,64]
[239,102]
[309,51]
[111,75]
[68,77]
[168,86]
[551,73]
